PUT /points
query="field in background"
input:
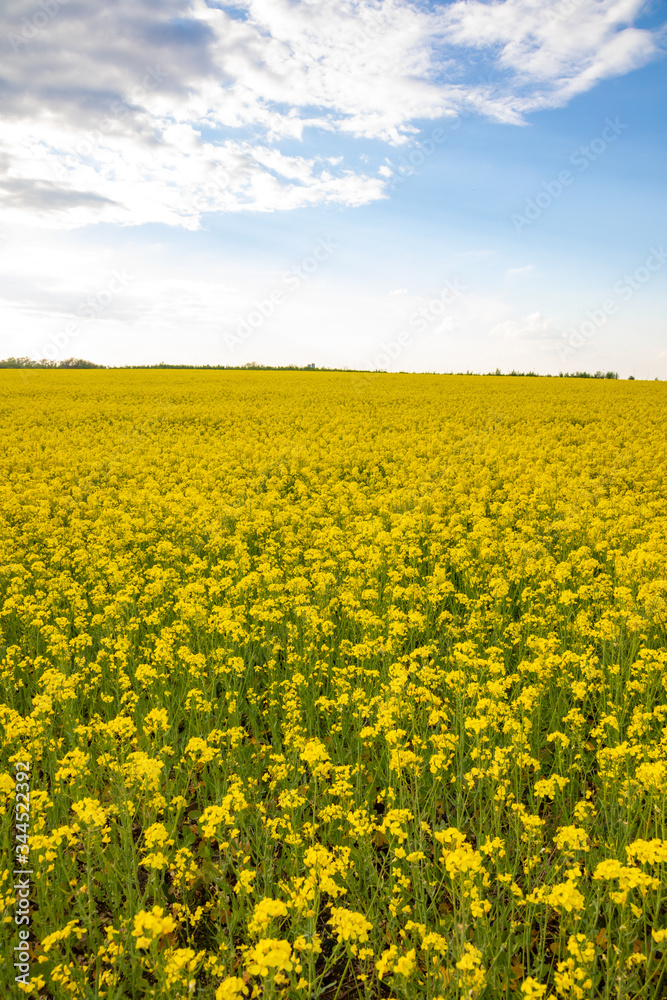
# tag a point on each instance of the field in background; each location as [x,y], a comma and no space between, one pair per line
[334,685]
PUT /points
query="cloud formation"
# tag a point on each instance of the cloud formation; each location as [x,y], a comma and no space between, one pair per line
[534,327]
[132,112]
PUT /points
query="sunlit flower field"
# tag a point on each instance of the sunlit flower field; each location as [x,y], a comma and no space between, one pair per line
[334,685]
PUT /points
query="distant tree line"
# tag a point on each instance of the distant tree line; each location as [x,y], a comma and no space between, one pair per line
[597,374]
[81,363]
[45,363]
[254,366]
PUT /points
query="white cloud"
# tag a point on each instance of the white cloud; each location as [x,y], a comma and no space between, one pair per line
[534,326]
[553,50]
[526,269]
[134,112]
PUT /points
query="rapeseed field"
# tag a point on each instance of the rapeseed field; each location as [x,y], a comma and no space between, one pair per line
[332,685]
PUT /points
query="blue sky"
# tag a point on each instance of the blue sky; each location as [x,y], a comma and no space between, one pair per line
[391,184]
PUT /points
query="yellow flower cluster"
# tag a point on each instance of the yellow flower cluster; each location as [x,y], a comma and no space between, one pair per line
[269,955]
[348,925]
[265,911]
[572,978]
[151,926]
[332,681]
